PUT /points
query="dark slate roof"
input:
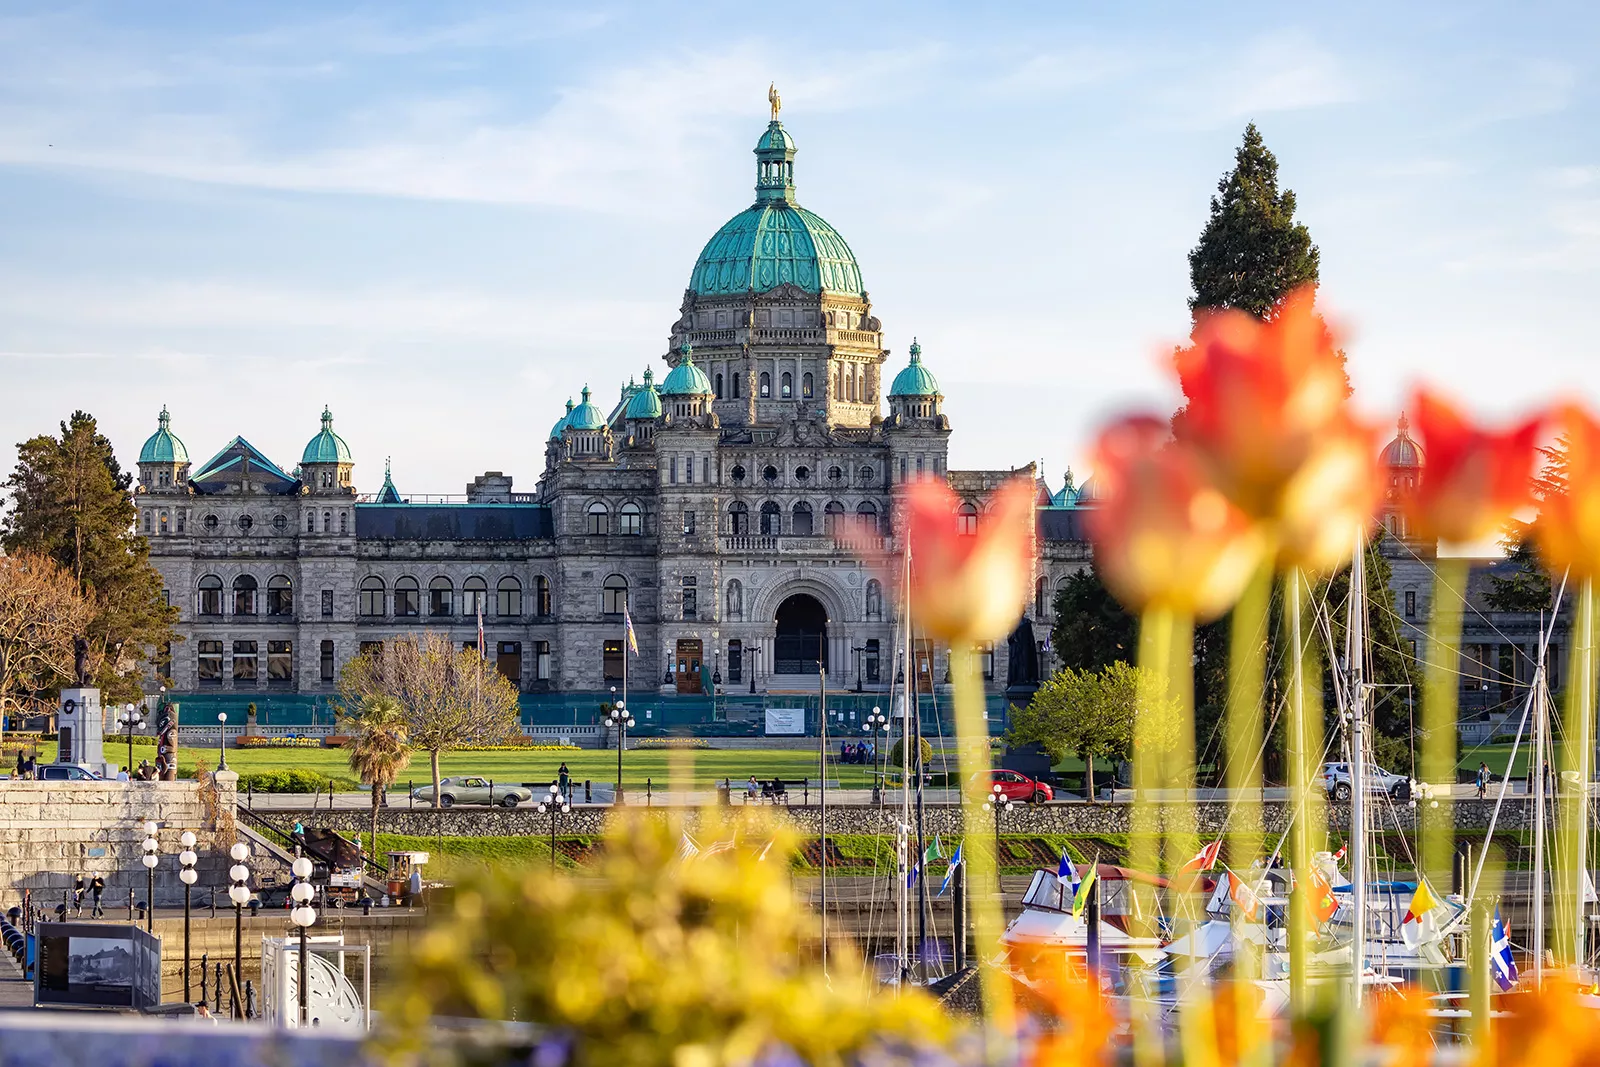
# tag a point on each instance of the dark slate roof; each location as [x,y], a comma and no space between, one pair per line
[1062,524]
[238,461]
[454,522]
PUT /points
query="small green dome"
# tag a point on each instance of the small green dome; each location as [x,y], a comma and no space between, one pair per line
[163,445]
[1068,495]
[327,446]
[775,240]
[686,379]
[915,380]
[585,416]
[646,403]
[561,423]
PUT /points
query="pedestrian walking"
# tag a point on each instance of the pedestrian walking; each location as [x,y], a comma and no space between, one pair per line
[1483,780]
[564,779]
[77,895]
[97,886]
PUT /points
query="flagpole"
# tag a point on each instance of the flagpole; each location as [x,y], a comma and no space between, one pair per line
[822,760]
[1355,696]
[907,686]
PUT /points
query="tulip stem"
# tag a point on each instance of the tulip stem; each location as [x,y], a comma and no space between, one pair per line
[1304,742]
[1440,698]
[1246,658]
[983,859]
[1577,758]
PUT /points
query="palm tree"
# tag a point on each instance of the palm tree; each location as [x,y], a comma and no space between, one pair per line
[378,749]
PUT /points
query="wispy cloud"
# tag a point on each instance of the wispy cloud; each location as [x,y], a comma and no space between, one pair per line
[1279,72]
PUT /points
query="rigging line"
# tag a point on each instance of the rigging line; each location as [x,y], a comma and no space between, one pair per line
[1490,673]
[1505,779]
[1461,595]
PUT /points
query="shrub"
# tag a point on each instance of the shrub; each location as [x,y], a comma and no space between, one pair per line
[926,748]
[257,741]
[292,781]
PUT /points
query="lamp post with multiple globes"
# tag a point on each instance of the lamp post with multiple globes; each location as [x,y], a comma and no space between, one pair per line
[876,723]
[555,805]
[619,718]
[150,859]
[187,875]
[998,803]
[130,719]
[239,894]
[303,915]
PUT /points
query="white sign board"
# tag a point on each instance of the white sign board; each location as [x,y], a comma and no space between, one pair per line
[790,721]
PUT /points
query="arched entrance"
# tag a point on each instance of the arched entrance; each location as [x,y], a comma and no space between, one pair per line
[802,635]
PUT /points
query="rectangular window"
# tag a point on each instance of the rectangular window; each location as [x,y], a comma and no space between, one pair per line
[473,601]
[688,524]
[672,469]
[147,522]
[508,600]
[182,514]
[986,657]
[166,597]
[280,662]
[541,592]
[1411,603]
[690,598]
[508,661]
[541,661]
[280,599]
[327,603]
[373,648]
[405,602]
[705,469]
[244,662]
[735,661]
[325,661]
[439,601]
[211,600]
[210,662]
[611,661]
[872,661]
[688,469]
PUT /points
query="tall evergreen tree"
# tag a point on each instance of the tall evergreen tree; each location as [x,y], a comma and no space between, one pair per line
[1091,630]
[1252,252]
[1527,585]
[70,502]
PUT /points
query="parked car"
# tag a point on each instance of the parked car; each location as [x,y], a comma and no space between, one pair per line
[1018,786]
[1336,777]
[473,790]
[66,772]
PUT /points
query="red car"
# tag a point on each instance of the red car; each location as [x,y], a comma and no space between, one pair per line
[1018,786]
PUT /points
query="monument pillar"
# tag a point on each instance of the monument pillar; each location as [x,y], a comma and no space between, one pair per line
[81,724]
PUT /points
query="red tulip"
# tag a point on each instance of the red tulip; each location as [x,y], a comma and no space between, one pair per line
[1164,536]
[1473,480]
[969,587]
[1569,523]
[1269,420]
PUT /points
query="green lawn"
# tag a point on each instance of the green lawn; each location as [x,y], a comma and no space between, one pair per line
[705,767]
[1496,756]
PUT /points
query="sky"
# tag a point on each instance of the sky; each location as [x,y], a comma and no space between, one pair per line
[444,220]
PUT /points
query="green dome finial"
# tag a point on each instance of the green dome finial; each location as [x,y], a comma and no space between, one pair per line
[646,403]
[686,379]
[163,446]
[649,377]
[916,351]
[585,416]
[327,446]
[915,380]
[687,350]
[164,420]
[775,164]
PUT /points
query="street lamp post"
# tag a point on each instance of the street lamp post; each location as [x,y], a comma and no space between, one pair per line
[151,858]
[860,651]
[998,803]
[553,805]
[755,665]
[303,915]
[876,723]
[239,893]
[187,875]
[620,719]
[130,719]
[222,737]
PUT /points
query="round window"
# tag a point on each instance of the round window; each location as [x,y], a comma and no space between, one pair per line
[769,472]
[802,473]
[245,522]
[279,523]
[738,473]
[211,524]
[835,474]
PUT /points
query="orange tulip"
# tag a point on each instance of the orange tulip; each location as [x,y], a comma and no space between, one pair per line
[1473,480]
[1268,416]
[969,587]
[1569,523]
[1164,537]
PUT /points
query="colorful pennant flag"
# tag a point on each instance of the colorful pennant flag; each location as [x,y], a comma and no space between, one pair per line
[627,629]
[1323,902]
[1505,968]
[950,871]
[1244,898]
[1080,899]
[1422,902]
[1203,860]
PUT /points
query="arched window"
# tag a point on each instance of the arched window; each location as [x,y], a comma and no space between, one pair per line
[311,522]
[771,523]
[211,595]
[867,513]
[344,522]
[800,520]
[280,595]
[735,600]
[371,601]
[766,384]
[441,596]
[630,520]
[967,519]
[787,385]
[850,384]
[541,596]
[738,518]
[614,594]
[835,474]
[407,598]
[508,598]
[806,384]
[474,597]
[719,386]
[244,595]
[874,599]
[735,378]
[1041,603]
[327,522]
[599,519]
[832,513]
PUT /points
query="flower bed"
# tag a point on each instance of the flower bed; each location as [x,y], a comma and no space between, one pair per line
[257,741]
[672,742]
[542,746]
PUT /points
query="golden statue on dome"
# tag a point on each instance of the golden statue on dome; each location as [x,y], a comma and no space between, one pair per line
[774,99]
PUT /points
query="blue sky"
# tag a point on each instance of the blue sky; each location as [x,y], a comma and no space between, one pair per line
[442,220]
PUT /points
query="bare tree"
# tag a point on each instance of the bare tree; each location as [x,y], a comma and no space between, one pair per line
[452,697]
[41,613]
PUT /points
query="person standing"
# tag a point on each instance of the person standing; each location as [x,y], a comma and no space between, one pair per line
[97,887]
[564,780]
[1483,780]
[77,895]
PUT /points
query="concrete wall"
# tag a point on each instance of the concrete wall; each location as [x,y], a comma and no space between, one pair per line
[52,831]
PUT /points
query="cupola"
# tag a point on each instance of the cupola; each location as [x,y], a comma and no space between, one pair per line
[686,390]
[586,434]
[326,463]
[914,393]
[163,461]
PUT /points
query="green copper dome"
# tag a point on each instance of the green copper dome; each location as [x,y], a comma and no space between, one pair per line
[585,416]
[775,240]
[163,446]
[686,379]
[561,423]
[915,380]
[327,446]
[646,403]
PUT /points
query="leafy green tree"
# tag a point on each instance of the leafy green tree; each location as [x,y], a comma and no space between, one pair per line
[1252,252]
[1091,629]
[1089,713]
[70,502]
[1526,586]
[1390,666]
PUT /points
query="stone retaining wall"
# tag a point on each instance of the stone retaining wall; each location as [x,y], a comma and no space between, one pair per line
[53,831]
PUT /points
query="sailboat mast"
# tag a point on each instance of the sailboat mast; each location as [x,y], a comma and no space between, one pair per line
[822,762]
[908,689]
[1536,766]
[1356,698]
